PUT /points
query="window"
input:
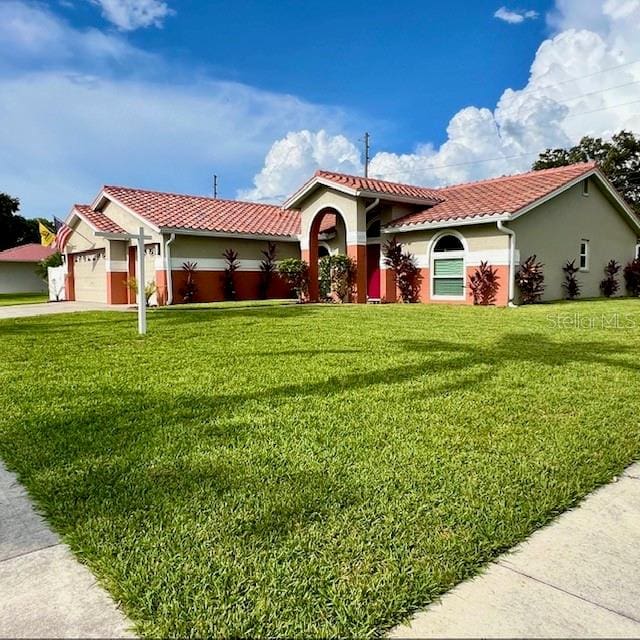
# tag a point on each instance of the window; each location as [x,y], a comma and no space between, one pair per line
[585,187]
[584,255]
[448,268]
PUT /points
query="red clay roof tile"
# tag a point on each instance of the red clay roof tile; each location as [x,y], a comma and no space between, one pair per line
[98,219]
[26,253]
[197,213]
[508,194]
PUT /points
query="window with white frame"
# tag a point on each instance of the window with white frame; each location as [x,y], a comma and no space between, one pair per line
[584,255]
[447,268]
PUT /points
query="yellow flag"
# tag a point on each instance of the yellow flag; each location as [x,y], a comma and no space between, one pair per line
[47,237]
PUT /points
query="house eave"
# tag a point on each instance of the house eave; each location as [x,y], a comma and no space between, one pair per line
[228,234]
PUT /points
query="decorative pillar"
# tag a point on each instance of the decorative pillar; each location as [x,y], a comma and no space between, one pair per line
[358,253]
[388,291]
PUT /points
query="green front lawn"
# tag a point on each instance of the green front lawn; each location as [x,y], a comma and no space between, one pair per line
[311,470]
[7,299]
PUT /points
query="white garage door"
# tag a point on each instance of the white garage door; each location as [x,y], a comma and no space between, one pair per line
[90,277]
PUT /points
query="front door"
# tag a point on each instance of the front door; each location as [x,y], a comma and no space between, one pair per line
[373,271]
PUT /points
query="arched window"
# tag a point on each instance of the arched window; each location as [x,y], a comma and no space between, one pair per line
[447,268]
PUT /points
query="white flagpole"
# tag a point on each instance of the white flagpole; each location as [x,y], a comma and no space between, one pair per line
[142,301]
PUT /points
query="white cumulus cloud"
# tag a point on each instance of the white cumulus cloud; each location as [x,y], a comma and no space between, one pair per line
[128,15]
[584,80]
[299,154]
[515,16]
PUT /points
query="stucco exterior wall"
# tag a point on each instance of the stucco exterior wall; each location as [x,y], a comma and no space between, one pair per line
[351,209]
[83,239]
[553,232]
[128,222]
[20,277]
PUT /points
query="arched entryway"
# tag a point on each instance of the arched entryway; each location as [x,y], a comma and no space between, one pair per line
[327,235]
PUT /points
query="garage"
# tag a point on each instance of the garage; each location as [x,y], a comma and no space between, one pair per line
[90,276]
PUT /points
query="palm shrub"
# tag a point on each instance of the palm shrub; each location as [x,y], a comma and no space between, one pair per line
[149,289]
[406,274]
[228,276]
[610,285]
[484,284]
[530,280]
[189,290]
[632,277]
[267,270]
[571,284]
[295,273]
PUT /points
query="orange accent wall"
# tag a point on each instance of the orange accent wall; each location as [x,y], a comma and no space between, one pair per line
[116,287]
[502,298]
[69,278]
[388,291]
[358,253]
[131,296]
[161,287]
[209,285]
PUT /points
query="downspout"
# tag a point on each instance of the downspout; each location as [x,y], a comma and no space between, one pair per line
[167,257]
[373,205]
[512,260]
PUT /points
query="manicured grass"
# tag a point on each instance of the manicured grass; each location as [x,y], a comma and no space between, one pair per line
[22,298]
[309,470]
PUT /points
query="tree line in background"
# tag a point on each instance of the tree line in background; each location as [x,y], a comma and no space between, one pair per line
[618,158]
[14,228]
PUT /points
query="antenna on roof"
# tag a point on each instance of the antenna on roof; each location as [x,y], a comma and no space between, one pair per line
[215,185]
[367,148]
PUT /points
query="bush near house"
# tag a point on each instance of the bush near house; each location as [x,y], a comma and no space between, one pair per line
[54,260]
[268,269]
[530,280]
[295,273]
[189,291]
[149,289]
[228,276]
[484,283]
[337,278]
[632,277]
[610,285]
[571,285]
[406,274]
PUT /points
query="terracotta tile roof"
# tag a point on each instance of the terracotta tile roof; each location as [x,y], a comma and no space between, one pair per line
[98,219]
[382,187]
[176,211]
[508,194]
[26,253]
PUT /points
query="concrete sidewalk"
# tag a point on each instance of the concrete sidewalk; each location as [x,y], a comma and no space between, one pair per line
[579,577]
[52,308]
[44,591]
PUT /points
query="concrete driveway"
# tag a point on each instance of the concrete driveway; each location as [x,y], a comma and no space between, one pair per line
[50,308]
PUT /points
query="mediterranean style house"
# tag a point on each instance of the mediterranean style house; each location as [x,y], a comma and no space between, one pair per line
[558,214]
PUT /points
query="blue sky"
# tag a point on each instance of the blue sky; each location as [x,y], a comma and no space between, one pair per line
[163,93]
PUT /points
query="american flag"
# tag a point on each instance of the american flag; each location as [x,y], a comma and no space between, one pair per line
[63,231]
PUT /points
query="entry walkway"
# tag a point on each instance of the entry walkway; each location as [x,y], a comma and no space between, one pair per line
[44,591]
[579,577]
[50,308]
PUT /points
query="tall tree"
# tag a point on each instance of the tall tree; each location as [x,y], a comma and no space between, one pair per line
[14,229]
[618,158]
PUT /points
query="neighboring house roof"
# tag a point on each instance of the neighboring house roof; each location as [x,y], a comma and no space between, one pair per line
[26,253]
[170,211]
[496,196]
[359,186]
[96,219]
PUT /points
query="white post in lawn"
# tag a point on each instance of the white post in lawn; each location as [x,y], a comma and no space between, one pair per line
[142,301]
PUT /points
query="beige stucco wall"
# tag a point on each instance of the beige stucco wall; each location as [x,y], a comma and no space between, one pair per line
[83,239]
[207,249]
[20,277]
[351,208]
[483,241]
[553,231]
[128,222]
